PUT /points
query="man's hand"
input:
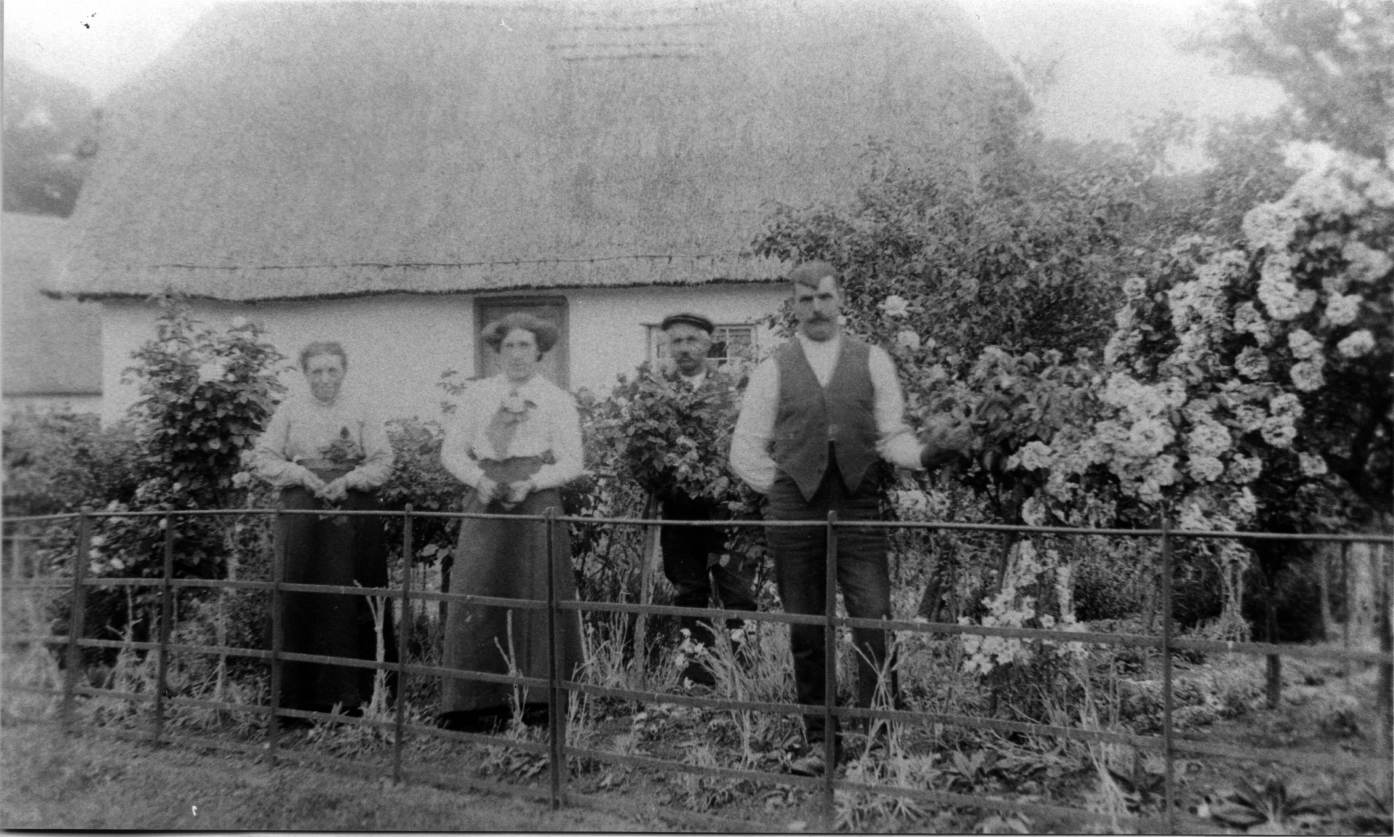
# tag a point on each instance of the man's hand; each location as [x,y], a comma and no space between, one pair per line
[944,439]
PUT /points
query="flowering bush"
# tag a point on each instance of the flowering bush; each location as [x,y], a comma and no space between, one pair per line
[1241,377]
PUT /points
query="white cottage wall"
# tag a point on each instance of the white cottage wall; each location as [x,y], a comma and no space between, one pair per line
[398,345]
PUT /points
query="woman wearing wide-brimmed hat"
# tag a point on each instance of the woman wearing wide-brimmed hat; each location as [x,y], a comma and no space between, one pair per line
[328,450]
[516,443]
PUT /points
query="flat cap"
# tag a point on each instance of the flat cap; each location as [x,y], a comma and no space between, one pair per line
[687,318]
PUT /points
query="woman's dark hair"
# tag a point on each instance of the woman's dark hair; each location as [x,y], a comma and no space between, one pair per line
[322,348]
[543,331]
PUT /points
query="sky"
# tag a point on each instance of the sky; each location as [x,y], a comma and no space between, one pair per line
[1118,60]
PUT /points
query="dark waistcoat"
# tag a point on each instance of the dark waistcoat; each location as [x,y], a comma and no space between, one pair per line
[810,416]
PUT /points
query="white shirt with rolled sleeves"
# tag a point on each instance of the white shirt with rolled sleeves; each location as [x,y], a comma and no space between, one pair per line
[750,443]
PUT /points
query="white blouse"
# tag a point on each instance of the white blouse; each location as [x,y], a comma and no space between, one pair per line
[304,429]
[551,424]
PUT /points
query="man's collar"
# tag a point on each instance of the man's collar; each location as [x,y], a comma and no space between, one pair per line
[820,345]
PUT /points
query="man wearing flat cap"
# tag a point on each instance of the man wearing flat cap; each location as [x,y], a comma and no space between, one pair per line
[817,419]
[695,559]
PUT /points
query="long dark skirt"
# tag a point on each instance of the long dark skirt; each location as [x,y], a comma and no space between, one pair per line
[334,550]
[507,559]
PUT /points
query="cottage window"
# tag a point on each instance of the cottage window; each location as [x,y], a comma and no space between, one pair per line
[729,342]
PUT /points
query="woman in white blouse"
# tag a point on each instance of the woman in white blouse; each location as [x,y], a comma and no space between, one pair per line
[327,451]
[517,441]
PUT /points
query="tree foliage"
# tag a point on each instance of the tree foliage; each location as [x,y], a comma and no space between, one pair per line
[1022,254]
[1334,59]
[49,140]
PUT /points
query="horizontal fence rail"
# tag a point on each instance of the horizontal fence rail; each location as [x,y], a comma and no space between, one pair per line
[78,581]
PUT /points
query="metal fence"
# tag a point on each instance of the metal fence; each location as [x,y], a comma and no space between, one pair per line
[73,578]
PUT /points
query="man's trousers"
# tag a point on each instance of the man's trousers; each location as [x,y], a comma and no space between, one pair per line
[800,563]
[692,561]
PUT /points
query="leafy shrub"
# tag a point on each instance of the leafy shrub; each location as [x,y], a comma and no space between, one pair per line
[419,479]
[61,461]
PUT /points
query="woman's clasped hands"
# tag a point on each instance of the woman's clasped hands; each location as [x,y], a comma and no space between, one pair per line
[333,491]
[509,494]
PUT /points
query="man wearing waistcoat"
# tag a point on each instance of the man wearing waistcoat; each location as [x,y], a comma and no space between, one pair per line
[695,559]
[816,419]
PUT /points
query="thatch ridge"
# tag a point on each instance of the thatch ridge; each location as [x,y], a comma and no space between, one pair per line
[284,150]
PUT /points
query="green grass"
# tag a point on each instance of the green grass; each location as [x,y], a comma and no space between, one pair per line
[54,782]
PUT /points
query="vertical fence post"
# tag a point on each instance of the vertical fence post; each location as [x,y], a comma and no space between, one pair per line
[1167,697]
[829,669]
[273,730]
[404,626]
[166,615]
[1345,605]
[556,708]
[76,621]
[1384,586]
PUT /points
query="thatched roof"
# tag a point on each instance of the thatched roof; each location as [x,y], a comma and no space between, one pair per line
[51,347]
[293,150]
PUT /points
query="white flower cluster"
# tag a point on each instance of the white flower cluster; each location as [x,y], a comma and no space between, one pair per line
[1342,309]
[212,370]
[1356,344]
[1312,465]
[1026,567]
[1364,263]
[1248,320]
[895,306]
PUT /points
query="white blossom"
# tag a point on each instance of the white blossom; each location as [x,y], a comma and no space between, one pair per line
[1148,437]
[1278,294]
[1245,469]
[1311,465]
[895,306]
[1278,431]
[1208,439]
[1248,417]
[1033,455]
[212,370]
[1308,156]
[1251,363]
[1285,405]
[907,339]
[1245,502]
[1364,263]
[1204,468]
[1342,309]
[1306,376]
[1270,226]
[1356,344]
[1302,344]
